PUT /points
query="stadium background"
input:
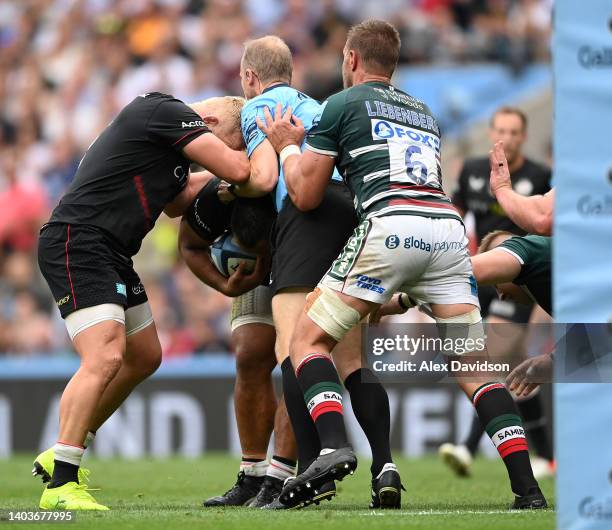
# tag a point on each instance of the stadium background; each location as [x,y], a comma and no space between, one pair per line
[66,68]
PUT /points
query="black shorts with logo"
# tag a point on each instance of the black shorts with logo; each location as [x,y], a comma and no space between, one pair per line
[304,244]
[83,270]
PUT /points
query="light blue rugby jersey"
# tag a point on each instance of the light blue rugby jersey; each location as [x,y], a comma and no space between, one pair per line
[303,106]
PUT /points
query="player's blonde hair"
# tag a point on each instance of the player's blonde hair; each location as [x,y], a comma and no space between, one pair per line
[487,241]
[228,107]
[270,58]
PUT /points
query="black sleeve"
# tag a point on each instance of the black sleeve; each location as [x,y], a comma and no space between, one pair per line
[458,198]
[173,124]
[547,175]
[207,215]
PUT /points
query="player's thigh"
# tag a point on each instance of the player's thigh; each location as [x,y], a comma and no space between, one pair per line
[143,349]
[252,326]
[367,272]
[287,309]
[254,345]
[376,260]
[80,269]
[102,345]
[447,282]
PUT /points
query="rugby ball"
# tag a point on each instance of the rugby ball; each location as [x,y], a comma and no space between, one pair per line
[227,255]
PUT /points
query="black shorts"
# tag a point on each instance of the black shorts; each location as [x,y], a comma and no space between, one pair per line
[304,244]
[83,270]
[491,305]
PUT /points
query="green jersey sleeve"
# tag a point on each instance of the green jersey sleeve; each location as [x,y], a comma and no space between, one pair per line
[533,253]
[324,136]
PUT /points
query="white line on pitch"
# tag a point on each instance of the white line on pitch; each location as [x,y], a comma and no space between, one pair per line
[446,512]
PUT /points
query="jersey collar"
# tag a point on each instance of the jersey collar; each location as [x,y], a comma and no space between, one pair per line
[277,85]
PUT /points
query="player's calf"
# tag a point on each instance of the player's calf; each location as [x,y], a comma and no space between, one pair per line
[497,412]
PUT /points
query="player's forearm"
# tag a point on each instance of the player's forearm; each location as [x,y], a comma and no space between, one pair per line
[264,172]
[303,195]
[199,262]
[258,185]
[236,169]
[495,267]
[532,214]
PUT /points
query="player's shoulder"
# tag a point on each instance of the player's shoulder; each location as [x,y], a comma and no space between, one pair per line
[152,100]
[163,107]
[349,95]
[252,105]
[336,103]
[285,95]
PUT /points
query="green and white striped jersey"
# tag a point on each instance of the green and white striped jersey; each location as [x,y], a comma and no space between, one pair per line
[387,147]
[534,254]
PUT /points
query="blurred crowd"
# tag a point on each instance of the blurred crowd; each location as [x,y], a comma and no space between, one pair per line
[68,66]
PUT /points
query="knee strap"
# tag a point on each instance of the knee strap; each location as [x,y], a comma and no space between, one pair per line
[330,313]
[465,326]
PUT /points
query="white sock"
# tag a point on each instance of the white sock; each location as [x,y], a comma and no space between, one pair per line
[280,470]
[68,453]
[254,469]
[387,467]
[89,439]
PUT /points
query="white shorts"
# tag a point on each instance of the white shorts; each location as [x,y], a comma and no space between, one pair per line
[424,257]
[252,307]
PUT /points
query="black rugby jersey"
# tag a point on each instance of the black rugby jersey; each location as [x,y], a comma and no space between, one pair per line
[132,170]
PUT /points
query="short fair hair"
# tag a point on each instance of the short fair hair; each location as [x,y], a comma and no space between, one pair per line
[270,58]
[229,106]
[377,43]
[507,109]
[487,241]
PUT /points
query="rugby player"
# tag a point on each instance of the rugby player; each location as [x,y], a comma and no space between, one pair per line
[212,213]
[135,169]
[304,246]
[387,145]
[525,178]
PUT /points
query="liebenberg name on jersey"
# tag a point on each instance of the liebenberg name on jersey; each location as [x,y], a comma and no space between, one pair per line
[383,130]
[393,112]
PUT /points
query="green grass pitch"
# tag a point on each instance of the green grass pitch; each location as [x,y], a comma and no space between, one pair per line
[165,494]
